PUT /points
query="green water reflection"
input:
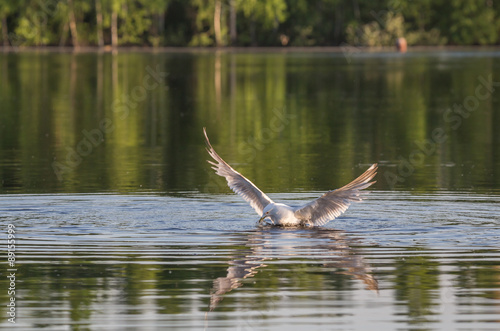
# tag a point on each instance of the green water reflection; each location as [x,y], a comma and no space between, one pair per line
[288,121]
[418,284]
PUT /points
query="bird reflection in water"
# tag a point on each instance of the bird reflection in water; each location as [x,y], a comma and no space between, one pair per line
[333,248]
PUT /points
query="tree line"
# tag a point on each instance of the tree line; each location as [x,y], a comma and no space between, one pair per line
[248,22]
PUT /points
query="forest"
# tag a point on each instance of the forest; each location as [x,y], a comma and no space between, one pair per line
[219,23]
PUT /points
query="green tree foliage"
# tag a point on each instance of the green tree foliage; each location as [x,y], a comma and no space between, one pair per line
[135,19]
[204,22]
[254,22]
[381,32]
[263,18]
[421,19]
[473,22]
[314,23]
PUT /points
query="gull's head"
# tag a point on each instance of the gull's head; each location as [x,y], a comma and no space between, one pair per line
[269,214]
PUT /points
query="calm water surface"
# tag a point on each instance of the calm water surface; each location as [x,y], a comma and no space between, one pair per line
[121,224]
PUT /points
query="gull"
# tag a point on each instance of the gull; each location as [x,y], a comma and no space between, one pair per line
[315,213]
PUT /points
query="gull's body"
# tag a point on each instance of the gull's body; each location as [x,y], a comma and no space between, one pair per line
[318,212]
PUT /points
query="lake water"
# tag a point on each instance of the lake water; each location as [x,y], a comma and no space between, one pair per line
[121,224]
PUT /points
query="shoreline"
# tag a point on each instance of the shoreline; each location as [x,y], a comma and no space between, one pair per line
[315,49]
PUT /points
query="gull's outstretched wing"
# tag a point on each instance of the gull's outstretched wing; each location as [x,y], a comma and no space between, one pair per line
[333,203]
[237,182]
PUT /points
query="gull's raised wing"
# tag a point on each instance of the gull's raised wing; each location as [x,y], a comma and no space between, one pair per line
[333,203]
[237,182]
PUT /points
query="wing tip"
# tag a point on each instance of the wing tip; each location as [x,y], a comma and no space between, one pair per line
[207,141]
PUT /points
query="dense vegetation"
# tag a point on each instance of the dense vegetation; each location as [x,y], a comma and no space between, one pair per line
[248,22]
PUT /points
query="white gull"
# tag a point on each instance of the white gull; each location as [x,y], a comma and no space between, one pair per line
[316,213]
